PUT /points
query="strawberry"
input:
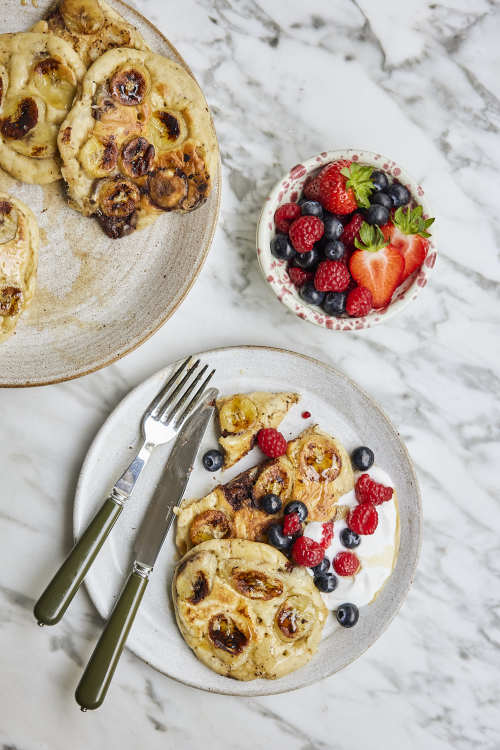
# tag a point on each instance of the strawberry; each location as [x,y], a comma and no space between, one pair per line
[311,189]
[375,265]
[407,232]
[345,186]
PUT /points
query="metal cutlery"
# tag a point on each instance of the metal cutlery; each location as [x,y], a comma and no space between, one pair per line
[97,676]
[161,422]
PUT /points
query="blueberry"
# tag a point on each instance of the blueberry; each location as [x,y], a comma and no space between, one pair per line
[380,180]
[310,294]
[349,538]
[213,460]
[279,540]
[399,194]
[281,247]
[297,507]
[377,214]
[347,615]
[362,458]
[312,208]
[333,227]
[382,198]
[308,260]
[334,303]
[333,249]
[326,582]
[270,503]
[323,567]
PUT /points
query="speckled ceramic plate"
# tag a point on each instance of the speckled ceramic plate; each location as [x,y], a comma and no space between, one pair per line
[288,189]
[339,406]
[97,298]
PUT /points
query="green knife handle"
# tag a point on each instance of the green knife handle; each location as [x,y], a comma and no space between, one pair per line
[94,683]
[56,598]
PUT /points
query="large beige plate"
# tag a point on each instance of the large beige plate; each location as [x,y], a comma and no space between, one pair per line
[97,298]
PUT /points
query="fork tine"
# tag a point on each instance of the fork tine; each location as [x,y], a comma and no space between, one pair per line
[189,408]
[166,418]
[154,407]
[177,389]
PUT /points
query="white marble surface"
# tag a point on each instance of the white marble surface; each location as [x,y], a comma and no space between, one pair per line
[417,81]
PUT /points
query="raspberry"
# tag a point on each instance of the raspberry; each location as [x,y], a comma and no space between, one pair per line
[327,535]
[284,215]
[332,276]
[359,302]
[311,189]
[363,519]
[291,524]
[346,564]
[304,232]
[351,230]
[307,552]
[271,442]
[369,491]
[298,276]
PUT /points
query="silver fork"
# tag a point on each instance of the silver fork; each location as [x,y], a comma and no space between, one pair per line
[161,422]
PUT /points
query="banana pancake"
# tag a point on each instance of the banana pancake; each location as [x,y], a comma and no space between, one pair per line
[138,142]
[39,74]
[316,470]
[245,611]
[242,415]
[19,242]
[91,27]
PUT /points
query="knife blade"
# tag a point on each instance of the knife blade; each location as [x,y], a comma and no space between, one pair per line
[172,483]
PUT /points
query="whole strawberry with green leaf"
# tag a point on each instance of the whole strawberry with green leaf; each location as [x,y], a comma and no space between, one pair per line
[407,232]
[344,186]
[376,265]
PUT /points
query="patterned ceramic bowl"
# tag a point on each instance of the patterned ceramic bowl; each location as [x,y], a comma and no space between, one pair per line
[289,189]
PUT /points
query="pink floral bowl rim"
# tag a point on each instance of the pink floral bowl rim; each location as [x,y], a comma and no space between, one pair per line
[289,189]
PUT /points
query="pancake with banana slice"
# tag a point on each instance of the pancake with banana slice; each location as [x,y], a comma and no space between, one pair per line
[91,27]
[138,142]
[242,415]
[39,74]
[19,242]
[316,470]
[245,611]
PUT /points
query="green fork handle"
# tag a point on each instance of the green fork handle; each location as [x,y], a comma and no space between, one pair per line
[56,598]
[95,681]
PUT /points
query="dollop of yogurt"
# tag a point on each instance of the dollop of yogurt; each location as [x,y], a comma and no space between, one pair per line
[376,552]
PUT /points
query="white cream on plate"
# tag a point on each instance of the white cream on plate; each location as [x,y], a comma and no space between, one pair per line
[376,552]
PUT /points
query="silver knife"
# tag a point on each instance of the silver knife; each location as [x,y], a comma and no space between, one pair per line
[95,681]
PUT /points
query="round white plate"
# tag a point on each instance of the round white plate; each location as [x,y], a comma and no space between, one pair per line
[342,409]
[97,298]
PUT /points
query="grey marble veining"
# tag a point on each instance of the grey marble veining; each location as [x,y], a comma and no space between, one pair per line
[417,81]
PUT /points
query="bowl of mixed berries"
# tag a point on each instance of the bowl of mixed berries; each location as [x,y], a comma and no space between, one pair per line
[344,240]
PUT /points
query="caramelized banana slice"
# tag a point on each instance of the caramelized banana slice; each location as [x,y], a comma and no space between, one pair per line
[195,577]
[295,618]
[117,227]
[167,129]
[129,85]
[319,461]
[211,524]
[10,300]
[255,584]
[276,477]
[81,16]
[99,159]
[8,222]
[237,414]
[118,198]
[136,158]
[167,188]
[22,116]
[227,634]
[55,82]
